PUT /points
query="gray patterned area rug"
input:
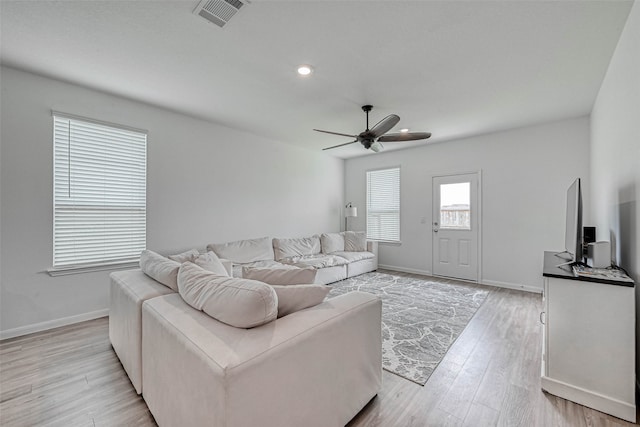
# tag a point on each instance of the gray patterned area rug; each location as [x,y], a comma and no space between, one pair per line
[421,319]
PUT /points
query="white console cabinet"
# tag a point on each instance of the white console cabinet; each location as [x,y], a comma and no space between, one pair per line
[589,341]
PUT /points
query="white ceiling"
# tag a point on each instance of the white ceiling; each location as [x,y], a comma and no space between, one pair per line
[449,67]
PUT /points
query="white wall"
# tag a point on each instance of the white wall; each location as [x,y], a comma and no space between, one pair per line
[525,176]
[615,149]
[206,183]
[615,155]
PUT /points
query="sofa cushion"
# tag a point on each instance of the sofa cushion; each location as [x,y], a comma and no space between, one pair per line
[190,256]
[237,302]
[210,262]
[289,275]
[355,241]
[332,242]
[301,246]
[244,251]
[237,268]
[354,256]
[160,268]
[294,298]
[316,261]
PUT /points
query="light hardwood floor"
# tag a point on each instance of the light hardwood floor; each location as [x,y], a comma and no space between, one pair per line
[70,376]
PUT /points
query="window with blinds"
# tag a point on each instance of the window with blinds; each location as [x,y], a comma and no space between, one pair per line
[99,212]
[383,205]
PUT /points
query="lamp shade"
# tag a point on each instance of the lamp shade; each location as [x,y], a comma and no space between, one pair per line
[351,212]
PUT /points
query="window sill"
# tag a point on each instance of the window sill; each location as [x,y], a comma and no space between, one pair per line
[79,269]
[387,242]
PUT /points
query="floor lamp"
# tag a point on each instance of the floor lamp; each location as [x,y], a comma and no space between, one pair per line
[349,211]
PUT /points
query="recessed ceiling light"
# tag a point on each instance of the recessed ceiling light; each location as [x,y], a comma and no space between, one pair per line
[305,70]
[405,130]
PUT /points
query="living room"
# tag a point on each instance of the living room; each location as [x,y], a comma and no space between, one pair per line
[212,178]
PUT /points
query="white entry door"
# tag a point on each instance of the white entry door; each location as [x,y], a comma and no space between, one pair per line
[456,226]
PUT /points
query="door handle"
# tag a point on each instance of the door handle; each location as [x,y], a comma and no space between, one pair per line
[435,227]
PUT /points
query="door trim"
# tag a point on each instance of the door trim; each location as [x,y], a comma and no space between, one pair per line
[478,173]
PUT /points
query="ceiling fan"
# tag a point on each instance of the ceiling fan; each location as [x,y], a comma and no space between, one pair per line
[374,137]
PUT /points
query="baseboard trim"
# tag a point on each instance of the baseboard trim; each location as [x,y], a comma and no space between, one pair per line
[590,399]
[508,285]
[482,282]
[405,269]
[51,324]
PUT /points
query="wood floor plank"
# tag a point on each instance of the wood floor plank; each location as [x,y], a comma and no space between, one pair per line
[389,404]
[518,409]
[481,415]
[490,376]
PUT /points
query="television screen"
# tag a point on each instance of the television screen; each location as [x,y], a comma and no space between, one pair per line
[573,231]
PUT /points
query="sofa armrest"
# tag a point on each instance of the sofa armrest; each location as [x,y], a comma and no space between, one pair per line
[129,289]
[372,246]
[228,265]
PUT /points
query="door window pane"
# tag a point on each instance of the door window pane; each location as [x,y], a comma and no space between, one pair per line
[455,211]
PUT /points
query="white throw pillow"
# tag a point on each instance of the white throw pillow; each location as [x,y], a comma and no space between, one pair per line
[185,256]
[244,251]
[160,268]
[294,298]
[281,276]
[355,241]
[298,246]
[237,302]
[332,242]
[210,262]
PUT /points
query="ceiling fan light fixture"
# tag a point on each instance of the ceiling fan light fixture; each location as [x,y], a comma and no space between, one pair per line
[405,130]
[305,70]
[376,147]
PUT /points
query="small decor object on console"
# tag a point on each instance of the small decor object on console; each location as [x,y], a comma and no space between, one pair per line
[609,273]
[600,254]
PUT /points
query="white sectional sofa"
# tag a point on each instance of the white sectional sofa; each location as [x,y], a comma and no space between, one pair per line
[335,256]
[314,367]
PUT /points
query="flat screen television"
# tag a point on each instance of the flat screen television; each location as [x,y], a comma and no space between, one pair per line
[573,225]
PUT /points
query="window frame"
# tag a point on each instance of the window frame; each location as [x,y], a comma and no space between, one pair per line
[399,211]
[109,263]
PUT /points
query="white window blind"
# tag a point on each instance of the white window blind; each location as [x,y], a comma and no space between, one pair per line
[383,205]
[99,193]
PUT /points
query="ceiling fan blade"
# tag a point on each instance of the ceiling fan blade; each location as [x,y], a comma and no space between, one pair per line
[409,136]
[339,145]
[384,125]
[336,133]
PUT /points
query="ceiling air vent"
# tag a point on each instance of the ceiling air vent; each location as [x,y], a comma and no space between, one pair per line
[218,11]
